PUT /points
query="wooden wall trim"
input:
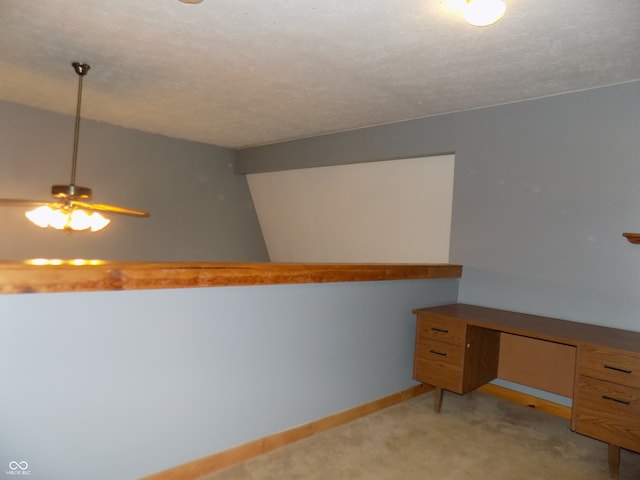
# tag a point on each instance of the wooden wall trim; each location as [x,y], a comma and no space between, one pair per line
[226,458]
[95,275]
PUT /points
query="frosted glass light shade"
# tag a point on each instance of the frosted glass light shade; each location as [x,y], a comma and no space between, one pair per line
[481,13]
[65,219]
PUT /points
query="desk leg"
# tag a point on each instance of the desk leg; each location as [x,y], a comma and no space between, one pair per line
[614,460]
[437,399]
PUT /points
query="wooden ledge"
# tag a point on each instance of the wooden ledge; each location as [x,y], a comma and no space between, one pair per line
[632,237]
[39,276]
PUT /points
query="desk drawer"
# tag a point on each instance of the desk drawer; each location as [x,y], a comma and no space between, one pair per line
[608,412]
[439,364]
[444,329]
[615,366]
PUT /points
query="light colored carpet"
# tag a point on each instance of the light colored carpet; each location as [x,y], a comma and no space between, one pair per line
[481,437]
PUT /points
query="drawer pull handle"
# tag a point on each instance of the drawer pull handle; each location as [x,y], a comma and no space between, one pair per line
[438,353]
[607,397]
[441,330]
[617,369]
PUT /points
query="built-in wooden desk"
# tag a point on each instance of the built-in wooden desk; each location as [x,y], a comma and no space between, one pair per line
[458,346]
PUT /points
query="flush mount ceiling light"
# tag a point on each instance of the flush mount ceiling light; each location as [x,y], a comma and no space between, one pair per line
[191,1]
[70,210]
[479,13]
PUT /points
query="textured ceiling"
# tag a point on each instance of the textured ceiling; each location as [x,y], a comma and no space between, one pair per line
[239,73]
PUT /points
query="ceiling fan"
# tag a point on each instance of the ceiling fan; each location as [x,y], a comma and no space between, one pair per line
[71,210]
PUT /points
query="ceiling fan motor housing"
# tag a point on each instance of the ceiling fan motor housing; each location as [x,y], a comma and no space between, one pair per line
[71,192]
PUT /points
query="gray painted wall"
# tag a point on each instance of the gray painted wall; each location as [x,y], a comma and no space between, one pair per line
[543,190]
[200,209]
[540,210]
[142,381]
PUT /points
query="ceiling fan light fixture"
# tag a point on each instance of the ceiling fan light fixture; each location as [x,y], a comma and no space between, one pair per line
[64,218]
[481,13]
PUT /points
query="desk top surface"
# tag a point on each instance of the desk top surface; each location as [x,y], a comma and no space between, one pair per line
[544,328]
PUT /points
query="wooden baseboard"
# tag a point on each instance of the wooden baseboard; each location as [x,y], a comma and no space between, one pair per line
[232,456]
[527,400]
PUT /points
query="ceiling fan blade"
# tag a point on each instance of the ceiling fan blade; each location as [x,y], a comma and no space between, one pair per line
[98,207]
[17,202]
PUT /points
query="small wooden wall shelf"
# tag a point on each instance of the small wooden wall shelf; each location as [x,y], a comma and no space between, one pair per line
[632,237]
